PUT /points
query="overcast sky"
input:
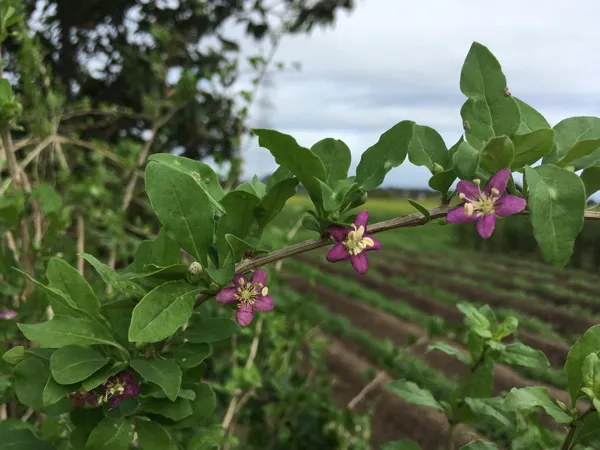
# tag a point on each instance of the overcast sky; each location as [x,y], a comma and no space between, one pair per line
[392,60]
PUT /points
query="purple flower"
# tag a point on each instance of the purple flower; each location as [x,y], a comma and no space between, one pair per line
[7,314]
[81,397]
[117,388]
[352,243]
[251,295]
[483,207]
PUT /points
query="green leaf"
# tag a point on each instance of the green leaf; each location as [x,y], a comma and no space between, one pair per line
[259,187]
[400,445]
[279,175]
[530,397]
[164,309]
[31,376]
[183,207]
[506,328]
[211,330]
[412,393]
[475,320]
[591,180]
[497,154]
[102,375]
[532,146]
[164,373]
[524,356]
[590,372]
[54,392]
[62,331]
[60,302]
[465,161]
[224,275]
[237,220]
[177,410]
[71,364]
[557,205]
[587,344]
[165,251]
[571,133]
[110,277]
[13,439]
[481,381]
[143,255]
[190,355]
[449,350]
[488,111]
[389,152]
[14,355]
[111,434]
[335,156]
[66,278]
[531,119]
[274,201]
[442,181]
[153,436]
[50,201]
[207,438]
[427,148]
[330,200]
[420,208]
[489,407]
[299,160]
[578,151]
[479,445]
[170,273]
[200,172]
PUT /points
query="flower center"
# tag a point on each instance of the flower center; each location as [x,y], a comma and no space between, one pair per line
[483,204]
[248,292]
[355,243]
[112,388]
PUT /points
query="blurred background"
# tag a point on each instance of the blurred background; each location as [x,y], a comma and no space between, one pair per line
[106,83]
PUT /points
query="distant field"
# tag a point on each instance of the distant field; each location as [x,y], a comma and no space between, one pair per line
[411,292]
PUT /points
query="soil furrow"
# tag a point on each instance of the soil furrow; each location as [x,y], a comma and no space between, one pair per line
[394,418]
[564,321]
[555,351]
[501,282]
[384,326]
[574,286]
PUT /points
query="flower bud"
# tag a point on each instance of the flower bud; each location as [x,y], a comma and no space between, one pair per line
[437,168]
[195,268]
[570,168]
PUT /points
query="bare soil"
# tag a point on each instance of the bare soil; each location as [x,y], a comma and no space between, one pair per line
[384,326]
[555,351]
[501,281]
[561,319]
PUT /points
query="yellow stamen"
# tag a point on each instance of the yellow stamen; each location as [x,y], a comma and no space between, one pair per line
[469,209]
[265,291]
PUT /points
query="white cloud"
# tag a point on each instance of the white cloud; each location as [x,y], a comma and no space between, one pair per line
[391,60]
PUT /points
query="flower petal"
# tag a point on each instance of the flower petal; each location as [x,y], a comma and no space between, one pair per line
[361,219]
[131,390]
[471,190]
[259,276]
[264,303]
[245,314]
[337,233]
[509,204]
[7,314]
[485,225]
[236,279]
[116,401]
[457,215]
[337,253]
[499,181]
[227,295]
[360,263]
[376,246]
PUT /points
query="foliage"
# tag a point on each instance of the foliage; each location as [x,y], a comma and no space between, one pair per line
[136,353]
